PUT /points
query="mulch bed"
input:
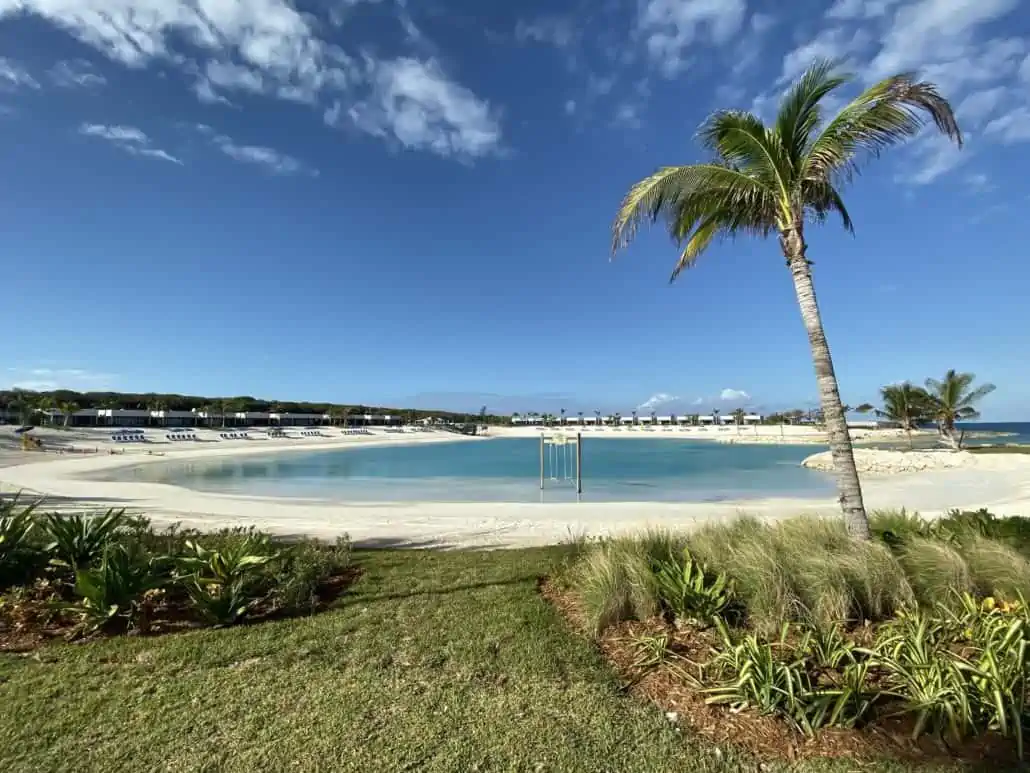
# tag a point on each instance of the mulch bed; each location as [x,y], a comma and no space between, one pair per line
[766,737]
[37,622]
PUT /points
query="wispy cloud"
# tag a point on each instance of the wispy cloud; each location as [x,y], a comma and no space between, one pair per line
[14,76]
[76,73]
[417,106]
[554,30]
[46,379]
[271,49]
[671,27]
[128,138]
[270,159]
[656,401]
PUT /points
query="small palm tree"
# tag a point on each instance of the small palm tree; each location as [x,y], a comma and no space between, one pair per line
[905,404]
[952,400]
[738,416]
[68,410]
[773,179]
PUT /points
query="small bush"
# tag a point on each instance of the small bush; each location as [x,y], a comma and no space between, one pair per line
[306,567]
[997,570]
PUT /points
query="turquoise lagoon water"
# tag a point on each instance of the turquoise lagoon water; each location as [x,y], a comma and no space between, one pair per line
[505,470]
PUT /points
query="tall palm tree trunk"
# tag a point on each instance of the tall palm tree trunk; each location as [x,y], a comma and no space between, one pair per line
[848,485]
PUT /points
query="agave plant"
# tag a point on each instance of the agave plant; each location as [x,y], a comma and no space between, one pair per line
[78,540]
[115,589]
[16,523]
[690,592]
[16,526]
[225,584]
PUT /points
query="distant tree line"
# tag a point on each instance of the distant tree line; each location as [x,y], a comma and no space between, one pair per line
[27,405]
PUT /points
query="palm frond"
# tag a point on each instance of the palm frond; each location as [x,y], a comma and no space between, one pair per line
[821,198]
[884,115]
[741,140]
[799,112]
[977,394]
[695,191]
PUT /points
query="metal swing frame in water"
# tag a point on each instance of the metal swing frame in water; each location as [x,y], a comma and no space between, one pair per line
[556,448]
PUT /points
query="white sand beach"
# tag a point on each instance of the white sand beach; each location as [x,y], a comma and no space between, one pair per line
[1000,482]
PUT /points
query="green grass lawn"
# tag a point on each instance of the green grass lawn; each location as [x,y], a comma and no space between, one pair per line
[436,661]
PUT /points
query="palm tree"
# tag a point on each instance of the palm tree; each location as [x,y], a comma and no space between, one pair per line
[951,400]
[905,404]
[598,415]
[68,410]
[562,416]
[738,416]
[634,418]
[771,179]
[580,418]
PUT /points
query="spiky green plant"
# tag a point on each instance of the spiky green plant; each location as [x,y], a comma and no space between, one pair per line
[77,540]
[773,179]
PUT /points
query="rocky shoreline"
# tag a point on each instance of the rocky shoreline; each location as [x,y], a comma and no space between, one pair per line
[879,462]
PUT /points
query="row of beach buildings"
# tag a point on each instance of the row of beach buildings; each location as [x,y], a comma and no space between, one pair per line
[131,417]
[661,421]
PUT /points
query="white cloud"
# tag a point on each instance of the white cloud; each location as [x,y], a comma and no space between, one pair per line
[45,379]
[1014,126]
[670,27]
[980,105]
[269,47]
[271,159]
[13,75]
[77,73]
[934,30]
[558,31]
[1024,70]
[416,104]
[859,9]
[728,395]
[570,107]
[698,401]
[656,400]
[128,138]
[933,155]
[627,114]
[978,182]
[831,43]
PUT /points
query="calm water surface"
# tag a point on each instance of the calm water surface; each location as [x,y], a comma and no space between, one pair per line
[506,470]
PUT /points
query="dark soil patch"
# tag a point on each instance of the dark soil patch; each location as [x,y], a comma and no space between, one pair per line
[672,687]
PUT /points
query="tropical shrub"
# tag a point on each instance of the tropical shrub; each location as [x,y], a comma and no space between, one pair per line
[959,673]
[19,556]
[114,590]
[793,680]
[78,540]
[225,585]
[691,593]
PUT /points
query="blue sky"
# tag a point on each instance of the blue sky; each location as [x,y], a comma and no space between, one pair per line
[410,202]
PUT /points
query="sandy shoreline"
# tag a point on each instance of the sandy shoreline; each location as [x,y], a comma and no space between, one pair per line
[999,482]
